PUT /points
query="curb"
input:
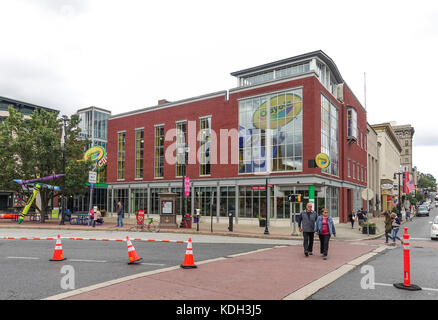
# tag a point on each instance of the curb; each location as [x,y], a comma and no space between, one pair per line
[184,231]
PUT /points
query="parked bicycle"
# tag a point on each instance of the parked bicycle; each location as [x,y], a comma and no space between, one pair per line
[149,225]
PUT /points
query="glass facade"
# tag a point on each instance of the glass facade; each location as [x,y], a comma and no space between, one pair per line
[139,200]
[278,73]
[252,203]
[227,201]
[329,134]
[281,130]
[205,200]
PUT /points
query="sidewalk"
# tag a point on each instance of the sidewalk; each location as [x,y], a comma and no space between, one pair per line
[343,230]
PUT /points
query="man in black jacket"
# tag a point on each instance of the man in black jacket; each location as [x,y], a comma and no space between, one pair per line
[306,224]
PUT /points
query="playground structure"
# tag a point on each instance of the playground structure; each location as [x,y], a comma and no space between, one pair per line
[35,183]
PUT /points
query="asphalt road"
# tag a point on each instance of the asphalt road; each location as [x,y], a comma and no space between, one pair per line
[388,269]
[27,273]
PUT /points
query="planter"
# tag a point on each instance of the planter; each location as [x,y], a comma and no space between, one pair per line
[262,223]
[372,230]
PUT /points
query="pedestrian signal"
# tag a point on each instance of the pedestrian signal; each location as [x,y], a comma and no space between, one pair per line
[294,198]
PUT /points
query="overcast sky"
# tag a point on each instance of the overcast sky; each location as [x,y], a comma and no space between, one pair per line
[126,55]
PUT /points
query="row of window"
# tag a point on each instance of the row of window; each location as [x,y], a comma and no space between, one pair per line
[356,171]
[278,73]
[181,150]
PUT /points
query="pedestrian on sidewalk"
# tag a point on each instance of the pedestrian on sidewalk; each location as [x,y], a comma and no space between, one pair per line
[360,218]
[395,227]
[306,224]
[388,225]
[120,214]
[325,227]
[352,217]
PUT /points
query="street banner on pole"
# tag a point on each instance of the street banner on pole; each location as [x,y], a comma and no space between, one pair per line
[186,186]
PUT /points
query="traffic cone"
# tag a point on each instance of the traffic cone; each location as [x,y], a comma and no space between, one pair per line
[58,255]
[188,259]
[133,256]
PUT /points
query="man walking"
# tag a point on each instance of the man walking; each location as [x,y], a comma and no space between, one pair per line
[120,214]
[306,224]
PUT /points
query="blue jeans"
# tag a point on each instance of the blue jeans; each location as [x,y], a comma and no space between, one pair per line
[394,234]
[120,221]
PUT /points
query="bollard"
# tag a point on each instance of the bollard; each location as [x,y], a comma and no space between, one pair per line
[406,266]
[230,221]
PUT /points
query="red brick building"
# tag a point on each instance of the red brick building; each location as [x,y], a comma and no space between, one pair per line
[235,144]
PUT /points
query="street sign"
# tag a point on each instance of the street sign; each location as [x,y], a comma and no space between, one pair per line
[92,177]
[367,194]
[386,186]
[261,187]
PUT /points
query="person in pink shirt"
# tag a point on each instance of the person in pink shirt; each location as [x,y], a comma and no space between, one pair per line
[325,227]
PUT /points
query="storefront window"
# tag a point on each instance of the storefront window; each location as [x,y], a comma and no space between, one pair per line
[284,123]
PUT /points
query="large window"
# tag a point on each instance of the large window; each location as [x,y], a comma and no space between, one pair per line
[351,123]
[121,141]
[139,143]
[139,199]
[329,134]
[284,123]
[205,200]
[205,124]
[159,152]
[181,155]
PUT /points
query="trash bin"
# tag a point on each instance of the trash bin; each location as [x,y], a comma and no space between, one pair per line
[187,221]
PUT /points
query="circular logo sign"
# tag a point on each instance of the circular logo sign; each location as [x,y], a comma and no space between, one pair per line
[322,160]
[283,110]
[95,153]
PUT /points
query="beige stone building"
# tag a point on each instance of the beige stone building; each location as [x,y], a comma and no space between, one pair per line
[389,164]
[405,134]
[373,173]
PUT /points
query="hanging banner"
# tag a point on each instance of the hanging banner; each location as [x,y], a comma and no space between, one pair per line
[186,186]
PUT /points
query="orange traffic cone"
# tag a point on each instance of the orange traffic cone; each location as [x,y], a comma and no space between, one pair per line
[57,255]
[133,256]
[188,259]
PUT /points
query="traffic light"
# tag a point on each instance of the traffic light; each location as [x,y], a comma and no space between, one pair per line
[294,198]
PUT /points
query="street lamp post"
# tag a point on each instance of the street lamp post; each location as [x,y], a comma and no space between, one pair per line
[183,196]
[266,208]
[64,120]
[399,193]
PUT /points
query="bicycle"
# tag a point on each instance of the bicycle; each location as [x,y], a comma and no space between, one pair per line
[150,225]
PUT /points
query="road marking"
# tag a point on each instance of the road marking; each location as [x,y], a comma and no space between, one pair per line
[421,239]
[28,258]
[83,260]
[153,264]
[391,285]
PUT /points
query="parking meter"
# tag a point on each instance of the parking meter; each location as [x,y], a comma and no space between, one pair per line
[198,213]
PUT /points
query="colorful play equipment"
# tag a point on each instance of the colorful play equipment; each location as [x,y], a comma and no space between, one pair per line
[29,203]
[35,183]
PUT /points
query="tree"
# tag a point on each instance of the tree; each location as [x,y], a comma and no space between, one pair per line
[30,148]
[427,181]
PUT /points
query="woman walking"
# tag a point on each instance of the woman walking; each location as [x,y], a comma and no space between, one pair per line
[325,227]
[388,226]
[352,217]
[395,227]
